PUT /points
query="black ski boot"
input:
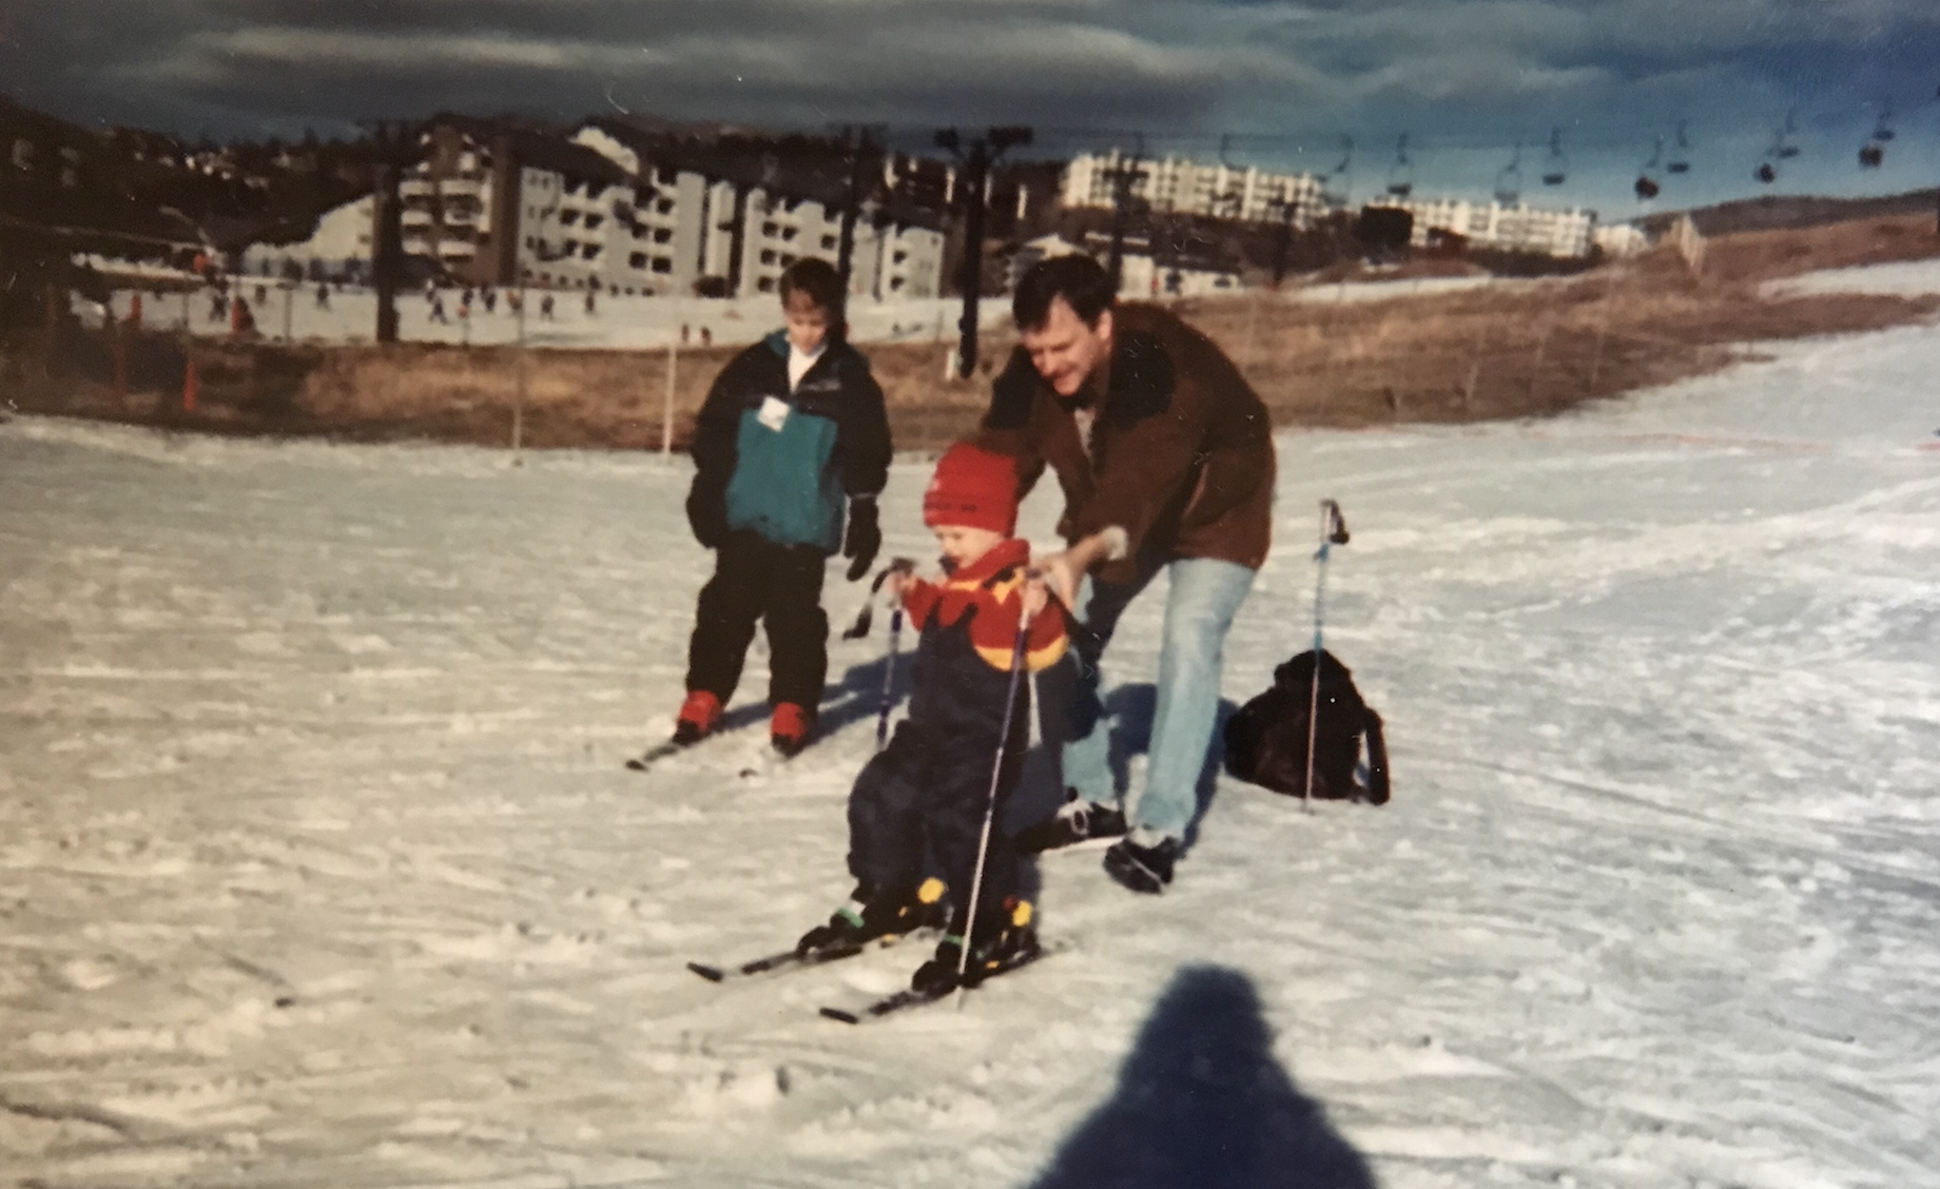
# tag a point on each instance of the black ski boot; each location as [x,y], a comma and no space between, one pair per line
[868,916]
[1142,868]
[1012,943]
[1076,820]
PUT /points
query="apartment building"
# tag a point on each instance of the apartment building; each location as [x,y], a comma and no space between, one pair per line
[1565,234]
[728,217]
[1175,185]
[498,205]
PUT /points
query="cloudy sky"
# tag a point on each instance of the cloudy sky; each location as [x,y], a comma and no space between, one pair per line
[1282,82]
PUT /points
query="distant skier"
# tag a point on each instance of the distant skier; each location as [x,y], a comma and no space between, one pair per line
[218,305]
[590,308]
[438,310]
[927,793]
[489,296]
[323,295]
[545,307]
[793,428]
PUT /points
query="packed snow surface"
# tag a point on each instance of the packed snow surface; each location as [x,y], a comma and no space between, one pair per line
[1907,278]
[319,868]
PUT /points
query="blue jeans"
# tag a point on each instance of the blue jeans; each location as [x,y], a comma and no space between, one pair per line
[1205,594]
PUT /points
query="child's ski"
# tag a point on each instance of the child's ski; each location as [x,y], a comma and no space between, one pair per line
[909,997]
[789,959]
[658,751]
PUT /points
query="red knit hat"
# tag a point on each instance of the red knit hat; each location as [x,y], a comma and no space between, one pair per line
[973,488]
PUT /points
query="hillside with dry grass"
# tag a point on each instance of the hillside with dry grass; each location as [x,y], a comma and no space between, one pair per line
[1506,349]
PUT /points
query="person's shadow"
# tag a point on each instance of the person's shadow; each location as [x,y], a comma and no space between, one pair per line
[859,694]
[1201,1103]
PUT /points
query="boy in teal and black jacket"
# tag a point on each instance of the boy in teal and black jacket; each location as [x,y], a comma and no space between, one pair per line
[792,441]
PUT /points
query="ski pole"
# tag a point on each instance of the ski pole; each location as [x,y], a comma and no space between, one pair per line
[1333,531]
[990,802]
[889,677]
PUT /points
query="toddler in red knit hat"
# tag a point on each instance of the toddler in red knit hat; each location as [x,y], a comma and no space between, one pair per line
[930,789]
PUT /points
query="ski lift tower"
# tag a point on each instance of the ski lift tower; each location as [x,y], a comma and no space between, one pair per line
[976,160]
[395,147]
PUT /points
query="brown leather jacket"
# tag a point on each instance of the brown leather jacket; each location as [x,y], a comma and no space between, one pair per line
[1181,448]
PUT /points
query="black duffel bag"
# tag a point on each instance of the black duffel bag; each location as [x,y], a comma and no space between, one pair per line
[1266,742]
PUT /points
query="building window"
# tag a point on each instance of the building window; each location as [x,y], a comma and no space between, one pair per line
[828,243]
[663,264]
[591,252]
[769,229]
[788,234]
[662,235]
[898,256]
[637,260]
[593,221]
[664,206]
[766,284]
[568,218]
[767,256]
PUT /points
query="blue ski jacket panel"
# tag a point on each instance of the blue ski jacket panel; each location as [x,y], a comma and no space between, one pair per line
[783,464]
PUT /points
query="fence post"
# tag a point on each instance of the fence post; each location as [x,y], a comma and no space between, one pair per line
[1602,327]
[1475,363]
[1536,372]
[667,414]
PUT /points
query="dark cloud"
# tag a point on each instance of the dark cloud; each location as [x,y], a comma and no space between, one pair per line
[1467,78]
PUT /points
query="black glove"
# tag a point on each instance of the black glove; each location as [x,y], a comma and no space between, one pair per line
[707,516]
[865,536]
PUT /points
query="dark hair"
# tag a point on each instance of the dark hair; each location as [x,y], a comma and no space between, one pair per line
[1081,281]
[818,281]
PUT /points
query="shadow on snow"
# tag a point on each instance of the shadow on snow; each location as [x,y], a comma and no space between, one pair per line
[1201,1102]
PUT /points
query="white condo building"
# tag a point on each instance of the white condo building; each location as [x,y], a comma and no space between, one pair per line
[707,216]
[1173,185]
[1566,234]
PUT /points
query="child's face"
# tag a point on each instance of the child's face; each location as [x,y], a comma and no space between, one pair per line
[962,545]
[808,323]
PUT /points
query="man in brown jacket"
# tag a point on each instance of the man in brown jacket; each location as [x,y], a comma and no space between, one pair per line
[1165,455]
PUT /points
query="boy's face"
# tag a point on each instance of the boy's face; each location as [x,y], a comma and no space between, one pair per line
[808,323]
[963,545]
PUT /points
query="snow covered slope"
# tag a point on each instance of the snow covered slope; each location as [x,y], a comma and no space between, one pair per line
[318,867]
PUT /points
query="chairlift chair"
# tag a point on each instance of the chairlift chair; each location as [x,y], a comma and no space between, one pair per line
[1556,172]
[1338,185]
[1765,173]
[1883,127]
[1783,145]
[1508,183]
[1646,185]
[1871,155]
[1680,161]
[1401,175]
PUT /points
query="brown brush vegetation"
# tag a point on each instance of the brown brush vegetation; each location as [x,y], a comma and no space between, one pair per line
[1508,349]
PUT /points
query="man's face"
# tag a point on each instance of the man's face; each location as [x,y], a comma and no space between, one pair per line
[808,323]
[1065,351]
